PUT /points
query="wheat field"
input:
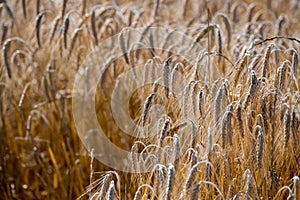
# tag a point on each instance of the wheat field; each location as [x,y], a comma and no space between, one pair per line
[240,111]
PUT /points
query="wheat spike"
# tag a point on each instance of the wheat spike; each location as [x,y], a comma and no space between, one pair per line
[65,31]
[123,46]
[4,32]
[185,103]
[64,7]
[54,28]
[239,119]
[201,102]
[166,75]
[170,182]
[111,191]
[147,107]
[204,32]
[296,187]
[295,63]
[228,28]
[74,37]
[260,148]
[226,128]
[37,7]
[176,147]
[240,68]
[287,126]
[6,48]
[24,8]
[38,27]
[195,192]
[219,42]
[266,61]
[93,26]
[164,131]
[106,181]
[219,101]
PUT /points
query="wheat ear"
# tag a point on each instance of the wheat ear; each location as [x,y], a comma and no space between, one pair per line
[266,61]
[38,27]
[287,126]
[260,148]
[4,32]
[296,187]
[195,192]
[239,118]
[111,191]
[24,8]
[65,31]
[170,182]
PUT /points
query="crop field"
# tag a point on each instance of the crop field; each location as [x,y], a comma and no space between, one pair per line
[149,99]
